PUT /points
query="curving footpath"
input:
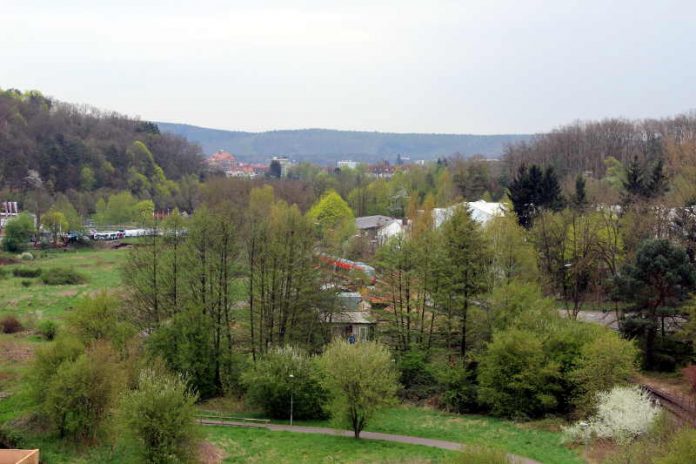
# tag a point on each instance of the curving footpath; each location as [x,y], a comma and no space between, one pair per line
[442,444]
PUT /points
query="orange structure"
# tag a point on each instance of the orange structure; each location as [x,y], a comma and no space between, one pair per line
[16,456]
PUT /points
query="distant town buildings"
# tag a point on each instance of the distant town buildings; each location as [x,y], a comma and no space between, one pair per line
[347,164]
[223,161]
[284,163]
[481,211]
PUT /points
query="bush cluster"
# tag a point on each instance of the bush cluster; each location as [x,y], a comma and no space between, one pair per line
[10,325]
[28,272]
[62,276]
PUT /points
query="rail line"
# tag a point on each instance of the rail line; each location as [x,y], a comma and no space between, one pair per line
[683,409]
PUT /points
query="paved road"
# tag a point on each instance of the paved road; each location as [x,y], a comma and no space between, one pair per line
[442,444]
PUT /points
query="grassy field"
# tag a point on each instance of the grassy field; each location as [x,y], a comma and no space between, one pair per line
[101,267]
[534,439]
[263,446]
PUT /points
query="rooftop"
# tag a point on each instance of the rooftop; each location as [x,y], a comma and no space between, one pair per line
[372,222]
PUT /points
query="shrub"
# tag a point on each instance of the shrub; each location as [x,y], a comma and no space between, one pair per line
[62,276]
[269,385]
[27,283]
[480,455]
[458,389]
[26,256]
[361,379]
[3,273]
[47,329]
[605,362]
[17,233]
[416,377]
[682,448]
[26,272]
[159,419]
[516,378]
[80,392]
[623,414]
[10,325]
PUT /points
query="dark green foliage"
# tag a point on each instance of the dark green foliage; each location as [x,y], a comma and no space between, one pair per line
[275,169]
[18,231]
[269,385]
[416,377]
[186,346]
[659,280]
[516,377]
[457,388]
[27,283]
[62,276]
[533,191]
[644,180]
[10,325]
[158,419]
[580,197]
[47,329]
[26,272]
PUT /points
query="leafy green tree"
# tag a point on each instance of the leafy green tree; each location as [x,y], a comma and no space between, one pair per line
[159,419]
[533,191]
[513,254]
[87,179]
[605,362]
[361,380]
[521,305]
[659,280]
[55,222]
[100,318]
[516,377]
[466,265]
[63,206]
[18,231]
[333,218]
[78,395]
[283,373]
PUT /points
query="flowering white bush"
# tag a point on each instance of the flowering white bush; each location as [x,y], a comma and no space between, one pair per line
[622,414]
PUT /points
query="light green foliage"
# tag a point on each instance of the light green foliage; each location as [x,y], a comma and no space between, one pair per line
[77,394]
[269,385]
[361,379]
[100,318]
[63,206]
[18,231]
[521,305]
[87,178]
[516,377]
[333,218]
[118,209]
[681,449]
[514,256]
[616,173]
[606,361]
[55,222]
[158,418]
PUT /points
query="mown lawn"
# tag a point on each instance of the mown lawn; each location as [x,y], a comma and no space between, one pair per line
[259,446]
[100,266]
[524,439]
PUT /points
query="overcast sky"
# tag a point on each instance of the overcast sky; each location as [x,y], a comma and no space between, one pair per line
[485,66]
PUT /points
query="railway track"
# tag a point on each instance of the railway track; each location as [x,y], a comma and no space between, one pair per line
[683,409]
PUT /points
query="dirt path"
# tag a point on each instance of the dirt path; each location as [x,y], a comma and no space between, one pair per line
[442,444]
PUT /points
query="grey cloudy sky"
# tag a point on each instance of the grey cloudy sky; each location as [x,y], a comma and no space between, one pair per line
[489,66]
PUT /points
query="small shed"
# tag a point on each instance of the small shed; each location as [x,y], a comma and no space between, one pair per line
[353,326]
[17,456]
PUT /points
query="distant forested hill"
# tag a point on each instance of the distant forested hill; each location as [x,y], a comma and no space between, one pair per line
[64,147]
[327,146]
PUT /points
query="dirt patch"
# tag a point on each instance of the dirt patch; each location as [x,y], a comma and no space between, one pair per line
[68,293]
[5,261]
[210,454]
[17,352]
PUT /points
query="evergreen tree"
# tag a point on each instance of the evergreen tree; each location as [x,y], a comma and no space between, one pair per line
[580,198]
[533,191]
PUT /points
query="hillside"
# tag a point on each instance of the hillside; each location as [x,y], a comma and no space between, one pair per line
[60,147]
[327,146]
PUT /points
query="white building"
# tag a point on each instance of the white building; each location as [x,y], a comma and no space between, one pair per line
[481,211]
[347,164]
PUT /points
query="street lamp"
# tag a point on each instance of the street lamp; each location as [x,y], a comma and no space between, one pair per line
[292,391]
